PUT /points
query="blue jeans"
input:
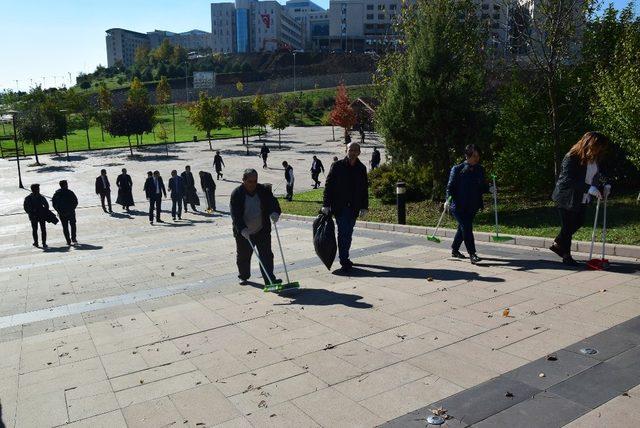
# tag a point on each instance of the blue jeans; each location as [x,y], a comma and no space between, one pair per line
[345,221]
[465,230]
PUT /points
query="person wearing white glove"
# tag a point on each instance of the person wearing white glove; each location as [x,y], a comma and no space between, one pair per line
[577,184]
[363,213]
[607,191]
[346,195]
[253,208]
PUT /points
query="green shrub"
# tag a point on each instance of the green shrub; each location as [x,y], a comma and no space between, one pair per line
[383,180]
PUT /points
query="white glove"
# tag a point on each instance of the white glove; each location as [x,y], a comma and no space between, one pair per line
[447,205]
[275,217]
[593,191]
[607,190]
[325,210]
[363,213]
[245,233]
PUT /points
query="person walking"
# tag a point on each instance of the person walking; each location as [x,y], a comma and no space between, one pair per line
[253,208]
[103,188]
[37,207]
[289,178]
[190,192]
[218,164]
[375,158]
[346,196]
[125,190]
[176,188]
[316,169]
[465,188]
[209,188]
[581,179]
[65,202]
[264,154]
[361,132]
[154,189]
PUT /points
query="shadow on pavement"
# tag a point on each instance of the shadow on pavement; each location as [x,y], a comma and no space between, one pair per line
[2,425]
[121,215]
[525,265]
[72,158]
[54,168]
[413,273]
[321,297]
[64,249]
[83,247]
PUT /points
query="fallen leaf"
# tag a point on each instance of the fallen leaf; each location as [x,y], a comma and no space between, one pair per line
[262,404]
[141,381]
[604,290]
[440,411]
[173,274]
[552,358]
[429,279]
[625,394]
[508,394]
[329,346]
[541,375]
[505,313]
[252,351]
[273,415]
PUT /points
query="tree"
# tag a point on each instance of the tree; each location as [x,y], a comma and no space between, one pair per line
[163,52]
[138,94]
[105,102]
[342,114]
[33,126]
[326,121]
[280,117]
[243,116]
[431,103]
[206,114]
[141,56]
[261,109]
[163,91]
[131,119]
[80,104]
[179,55]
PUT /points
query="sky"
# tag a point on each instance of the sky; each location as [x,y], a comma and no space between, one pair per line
[45,40]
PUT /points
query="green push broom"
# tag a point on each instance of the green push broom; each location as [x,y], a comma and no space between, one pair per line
[288,285]
[497,237]
[434,238]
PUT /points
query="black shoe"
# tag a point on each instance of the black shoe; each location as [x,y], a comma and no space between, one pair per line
[174,218]
[69,243]
[556,249]
[75,241]
[474,259]
[179,218]
[35,244]
[244,281]
[45,246]
[151,222]
[569,261]
[159,221]
[458,255]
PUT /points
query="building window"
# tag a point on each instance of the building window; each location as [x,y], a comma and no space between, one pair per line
[369,15]
[380,7]
[369,7]
[392,7]
[381,16]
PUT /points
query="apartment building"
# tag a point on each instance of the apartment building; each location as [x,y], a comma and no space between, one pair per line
[122,45]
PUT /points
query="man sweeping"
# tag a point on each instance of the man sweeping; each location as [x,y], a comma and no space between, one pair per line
[253,208]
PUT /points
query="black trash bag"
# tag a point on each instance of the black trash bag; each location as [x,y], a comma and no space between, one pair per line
[324,239]
[50,217]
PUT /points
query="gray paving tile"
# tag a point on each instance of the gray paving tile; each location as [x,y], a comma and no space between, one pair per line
[417,419]
[608,343]
[543,410]
[597,385]
[566,365]
[629,359]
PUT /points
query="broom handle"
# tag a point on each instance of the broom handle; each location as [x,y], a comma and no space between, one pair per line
[593,233]
[604,226]
[495,202]
[255,250]
[440,221]
[286,272]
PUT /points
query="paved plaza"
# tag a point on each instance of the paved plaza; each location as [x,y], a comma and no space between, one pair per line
[146,326]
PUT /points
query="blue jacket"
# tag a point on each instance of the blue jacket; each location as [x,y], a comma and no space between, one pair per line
[176,187]
[466,185]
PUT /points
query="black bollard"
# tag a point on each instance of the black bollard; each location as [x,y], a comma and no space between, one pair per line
[401,190]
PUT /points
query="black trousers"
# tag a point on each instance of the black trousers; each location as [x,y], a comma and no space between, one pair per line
[211,198]
[465,230]
[289,192]
[219,173]
[176,207]
[264,162]
[69,220]
[43,230]
[314,177]
[106,196]
[193,206]
[570,222]
[155,202]
[262,240]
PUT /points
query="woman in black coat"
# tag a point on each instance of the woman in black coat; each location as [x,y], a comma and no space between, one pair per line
[581,179]
[125,194]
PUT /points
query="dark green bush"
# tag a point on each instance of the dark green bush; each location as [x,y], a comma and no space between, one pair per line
[383,182]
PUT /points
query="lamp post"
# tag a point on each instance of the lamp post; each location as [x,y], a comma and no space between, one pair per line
[66,132]
[13,114]
[294,71]
[186,78]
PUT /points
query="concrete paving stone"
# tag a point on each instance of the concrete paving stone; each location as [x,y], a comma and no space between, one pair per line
[153,414]
[123,362]
[506,335]
[453,368]
[312,344]
[61,377]
[452,326]
[608,344]
[219,365]
[241,422]
[363,357]
[90,400]
[627,308]
[627,359]
[619,412]
[495,360]
[484,400]
[38,410]
[281,415]
[566,365]
[327,367]
[540,345]
[255,378]
[554,321]
[160,388]
[344,412]
[395,335]
[204,404]
[543,409]
[152,374]
[113,419]
[596,386]
[422,344]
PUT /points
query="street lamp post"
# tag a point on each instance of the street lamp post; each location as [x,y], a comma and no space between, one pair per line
[186,78]
[13,114]
[66,132]
[294,71]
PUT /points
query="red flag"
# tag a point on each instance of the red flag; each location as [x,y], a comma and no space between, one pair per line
[266,19]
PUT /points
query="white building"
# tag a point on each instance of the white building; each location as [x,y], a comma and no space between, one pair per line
[122,45]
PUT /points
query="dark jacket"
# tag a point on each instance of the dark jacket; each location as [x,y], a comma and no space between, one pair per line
[264,151]
[100,187]
[375,158]
[466,186]
[207,182]
[346,186]
[268,203]
[571,187]
[65,202]
[319,167]
[150,187]
[176,187]
[288,174]
[190,192]
[218,162]
[124,181]
[36,206]
[125,193]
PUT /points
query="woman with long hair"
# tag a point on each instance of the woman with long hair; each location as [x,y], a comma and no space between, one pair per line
[581,178]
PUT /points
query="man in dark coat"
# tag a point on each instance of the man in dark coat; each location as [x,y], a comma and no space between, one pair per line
[289,179]
[65,202]
[154,189]
[190,192]
[218,164]
[37,207]
[253,208]
[264,154]
[209,188]
[176,188]
[346,195]
[103,188]
[125,193]
[316,169]
[375,158]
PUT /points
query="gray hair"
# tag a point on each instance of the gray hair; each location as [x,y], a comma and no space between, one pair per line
[248,173]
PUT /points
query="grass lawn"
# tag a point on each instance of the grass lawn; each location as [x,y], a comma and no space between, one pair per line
[518,216]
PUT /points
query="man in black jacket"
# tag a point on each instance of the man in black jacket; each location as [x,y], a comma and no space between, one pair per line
[64,201]
[264,154]
[346,195]
[316,169]
[289,179]
[103,188]
[209,189]
[253,208]
[154,189]
[218,164]
[375,158]
[190,192]
[38,208]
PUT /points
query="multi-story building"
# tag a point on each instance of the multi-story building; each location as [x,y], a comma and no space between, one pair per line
[494,16]
[254,26]
[122,45]
[313,19]
[191,40]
